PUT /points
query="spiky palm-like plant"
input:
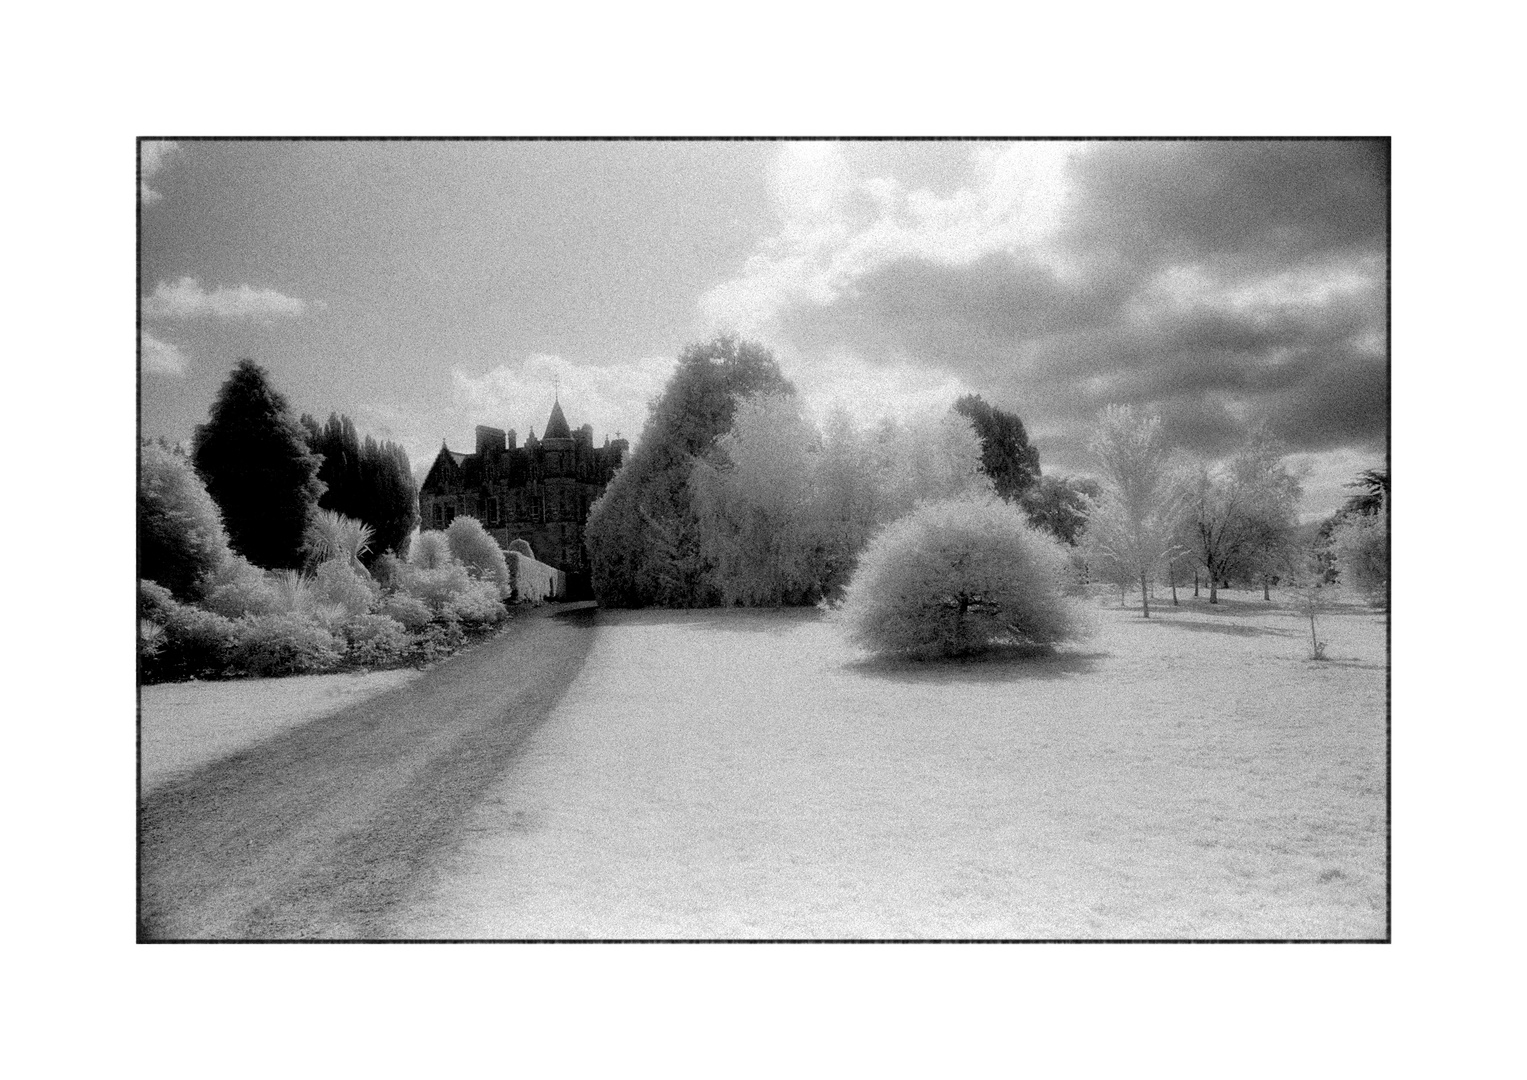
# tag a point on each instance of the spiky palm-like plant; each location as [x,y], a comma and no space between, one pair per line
[295,591]
[333,536]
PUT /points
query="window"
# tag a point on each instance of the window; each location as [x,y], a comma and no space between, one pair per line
[492,511]
[439,515]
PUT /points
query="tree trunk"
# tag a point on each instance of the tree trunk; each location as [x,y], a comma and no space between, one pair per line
[1314,644]
[1145,600]
[1213,592]
[1174,592]
[1195,581]
[1265,594]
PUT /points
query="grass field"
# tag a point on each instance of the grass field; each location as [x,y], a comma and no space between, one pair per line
[190,724]
[747,774]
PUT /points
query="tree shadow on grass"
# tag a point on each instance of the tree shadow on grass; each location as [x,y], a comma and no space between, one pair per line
[1220,628]
[1014,663]
[781,620]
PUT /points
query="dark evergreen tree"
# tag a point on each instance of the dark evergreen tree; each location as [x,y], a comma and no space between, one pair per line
[1059,506]
[1006,455]
[367,480]
[255,459]
[1373,494]
[642,534]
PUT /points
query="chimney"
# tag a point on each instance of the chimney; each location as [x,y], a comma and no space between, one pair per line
[489,440]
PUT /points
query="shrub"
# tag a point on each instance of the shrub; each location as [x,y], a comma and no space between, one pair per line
[436,587]
[294,592]
[959,577]
[522,546]
[375,640]
[412,612]
[286,644]
[439,639]
[196,644]
[334,536]
[180,531]
[150,639]
[155,602]
[430,550]
[475,549]
[477,604]
[239,588]
[387,571]
[338,583]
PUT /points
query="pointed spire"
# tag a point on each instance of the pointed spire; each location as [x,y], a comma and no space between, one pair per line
[556,426]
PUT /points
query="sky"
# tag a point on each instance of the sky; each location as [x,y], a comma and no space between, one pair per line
[423,288]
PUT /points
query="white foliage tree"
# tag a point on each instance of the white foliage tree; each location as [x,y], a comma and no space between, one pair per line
[1134,523]
[754,502]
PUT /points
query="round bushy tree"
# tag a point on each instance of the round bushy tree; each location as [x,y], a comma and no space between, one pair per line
[181,541]
[476,549]
[959,577]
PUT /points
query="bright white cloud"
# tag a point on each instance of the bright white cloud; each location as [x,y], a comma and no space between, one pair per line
[186,299]
[836,227]
[161,357]
[870,392]
[611,397]
[153,156]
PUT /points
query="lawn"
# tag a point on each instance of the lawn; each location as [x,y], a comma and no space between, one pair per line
[748,774]
[189,724]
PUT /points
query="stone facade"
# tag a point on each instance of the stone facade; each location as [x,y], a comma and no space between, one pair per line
[539,492]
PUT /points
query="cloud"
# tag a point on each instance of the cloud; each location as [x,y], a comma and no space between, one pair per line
[611,397]
[153,156]
[186,299]
[161,357]
[1220,284]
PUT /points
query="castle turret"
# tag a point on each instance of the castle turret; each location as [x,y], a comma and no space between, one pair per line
[556,426]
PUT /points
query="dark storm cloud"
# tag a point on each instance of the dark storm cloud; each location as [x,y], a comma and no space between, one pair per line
[1220,284]
[1276,203]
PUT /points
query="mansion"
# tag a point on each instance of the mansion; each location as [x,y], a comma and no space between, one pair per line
[539,492]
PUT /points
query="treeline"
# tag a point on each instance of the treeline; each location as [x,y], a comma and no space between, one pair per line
[367,480]
[1158,518]
[735,496]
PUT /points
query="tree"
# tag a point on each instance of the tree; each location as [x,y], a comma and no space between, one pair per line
[784,510]
[1134,522]
[1240,515]
[642,533]
[258,468]
[1060,505]
[1373,494]
[1360,549]
[754,498]
[181,540]
[1006,455]
[959,577]
[367,480]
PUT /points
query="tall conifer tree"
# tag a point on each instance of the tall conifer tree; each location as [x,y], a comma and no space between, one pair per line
[258,468]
